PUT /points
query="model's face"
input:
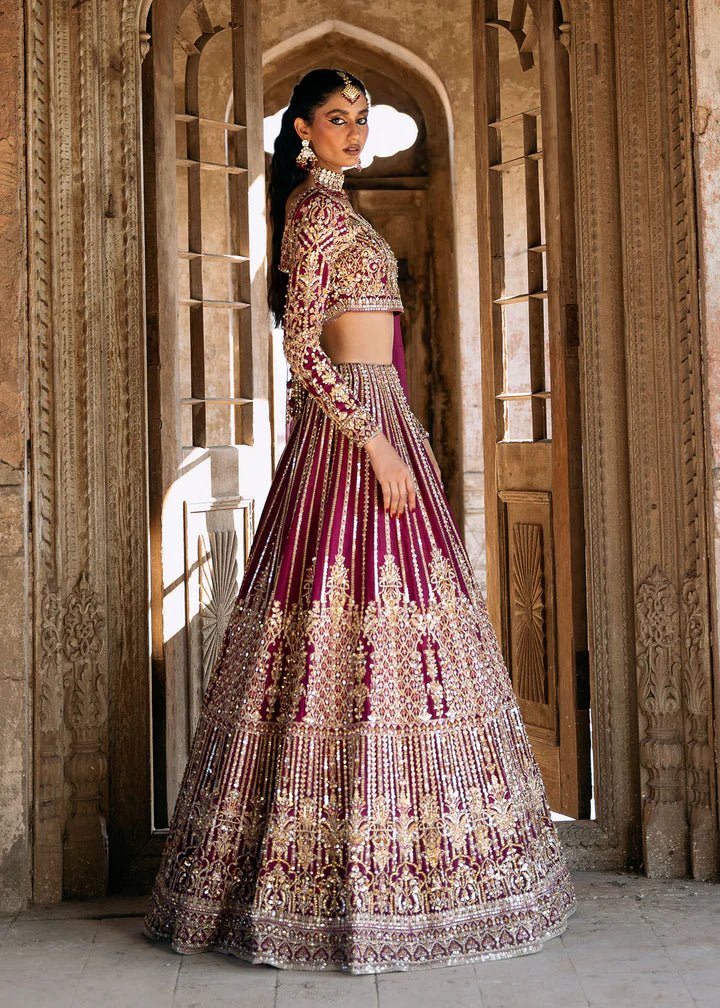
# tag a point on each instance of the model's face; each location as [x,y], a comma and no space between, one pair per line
[338,131]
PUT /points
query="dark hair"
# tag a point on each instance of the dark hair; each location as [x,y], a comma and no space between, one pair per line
[312,91]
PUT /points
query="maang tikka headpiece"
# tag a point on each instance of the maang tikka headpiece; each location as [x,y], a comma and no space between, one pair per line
[350,91]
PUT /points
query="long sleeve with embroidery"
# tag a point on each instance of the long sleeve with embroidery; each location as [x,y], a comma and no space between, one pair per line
[318,228]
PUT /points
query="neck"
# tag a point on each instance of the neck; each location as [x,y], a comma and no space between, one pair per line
[327,178]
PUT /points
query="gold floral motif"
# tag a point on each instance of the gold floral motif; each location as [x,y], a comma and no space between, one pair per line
[317,653]
[360,792]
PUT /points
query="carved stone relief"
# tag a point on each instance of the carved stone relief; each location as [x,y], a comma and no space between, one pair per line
[87,392]
[86,855]
[88,458]
[666,441]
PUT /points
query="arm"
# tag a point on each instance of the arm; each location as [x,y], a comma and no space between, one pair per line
[319,225]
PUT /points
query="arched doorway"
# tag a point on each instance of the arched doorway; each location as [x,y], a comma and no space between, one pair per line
[408,198]
[206,324]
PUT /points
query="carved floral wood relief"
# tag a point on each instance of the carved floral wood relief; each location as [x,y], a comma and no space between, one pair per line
[528,619]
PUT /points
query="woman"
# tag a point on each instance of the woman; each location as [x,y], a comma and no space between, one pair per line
[360,793]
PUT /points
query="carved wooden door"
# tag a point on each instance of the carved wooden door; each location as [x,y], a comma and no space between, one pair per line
[531,395]
[209,423]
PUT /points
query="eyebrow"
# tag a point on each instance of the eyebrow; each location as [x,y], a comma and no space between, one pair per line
[343,111]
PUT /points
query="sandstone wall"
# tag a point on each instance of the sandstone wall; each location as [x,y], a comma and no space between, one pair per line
[15,735]
[705,51]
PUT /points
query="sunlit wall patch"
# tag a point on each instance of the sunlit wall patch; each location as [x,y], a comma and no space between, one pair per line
[391,131]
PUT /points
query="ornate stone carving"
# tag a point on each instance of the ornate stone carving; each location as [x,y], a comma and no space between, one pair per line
[49,776]
[612,838]
[666,436]
[86,711]
[86,398]
[124,353]
[700,768]
[659,663]
[659,667]
[48,763]
[698,725]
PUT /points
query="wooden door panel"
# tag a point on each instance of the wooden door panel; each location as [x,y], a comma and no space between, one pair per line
[529,603]
[529,625]
[531,395]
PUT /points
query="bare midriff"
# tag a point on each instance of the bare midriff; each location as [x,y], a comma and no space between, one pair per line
[361,336]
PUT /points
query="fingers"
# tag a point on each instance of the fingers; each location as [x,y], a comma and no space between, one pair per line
[398,497]
[396,481]
[402,499]
[391,497]
[396,500]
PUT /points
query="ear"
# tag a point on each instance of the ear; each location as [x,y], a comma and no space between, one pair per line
[301,128]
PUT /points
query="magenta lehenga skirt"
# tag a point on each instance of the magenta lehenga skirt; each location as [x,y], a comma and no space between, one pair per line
[360,793]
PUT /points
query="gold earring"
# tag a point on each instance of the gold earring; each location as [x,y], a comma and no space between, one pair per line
[306,155]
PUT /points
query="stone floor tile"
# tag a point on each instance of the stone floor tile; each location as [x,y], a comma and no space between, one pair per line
[701,978]
[678,924]
[315,989]
[437,986]
[25,937]
[41,962]
[122,974]
[613,989]
[220,981]
[562,991]
[617,958]
[38,992]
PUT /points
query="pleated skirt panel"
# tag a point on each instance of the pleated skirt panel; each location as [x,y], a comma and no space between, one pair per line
[360,794]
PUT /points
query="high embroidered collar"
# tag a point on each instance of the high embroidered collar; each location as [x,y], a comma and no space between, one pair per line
[327,178]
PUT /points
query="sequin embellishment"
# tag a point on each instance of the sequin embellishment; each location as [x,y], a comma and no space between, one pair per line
[361,794]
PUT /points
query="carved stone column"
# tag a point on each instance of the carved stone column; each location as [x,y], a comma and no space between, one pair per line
[666,437]
[87,445]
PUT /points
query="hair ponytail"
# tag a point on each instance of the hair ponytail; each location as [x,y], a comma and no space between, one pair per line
[312,91]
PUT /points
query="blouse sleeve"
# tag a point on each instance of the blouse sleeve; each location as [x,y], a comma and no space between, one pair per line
[317,229]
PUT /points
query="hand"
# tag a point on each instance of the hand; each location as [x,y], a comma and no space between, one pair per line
[394,475]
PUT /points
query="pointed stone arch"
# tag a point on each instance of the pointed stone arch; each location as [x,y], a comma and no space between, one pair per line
[338,43]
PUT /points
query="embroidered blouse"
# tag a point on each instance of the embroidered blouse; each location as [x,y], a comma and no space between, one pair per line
[337,262]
